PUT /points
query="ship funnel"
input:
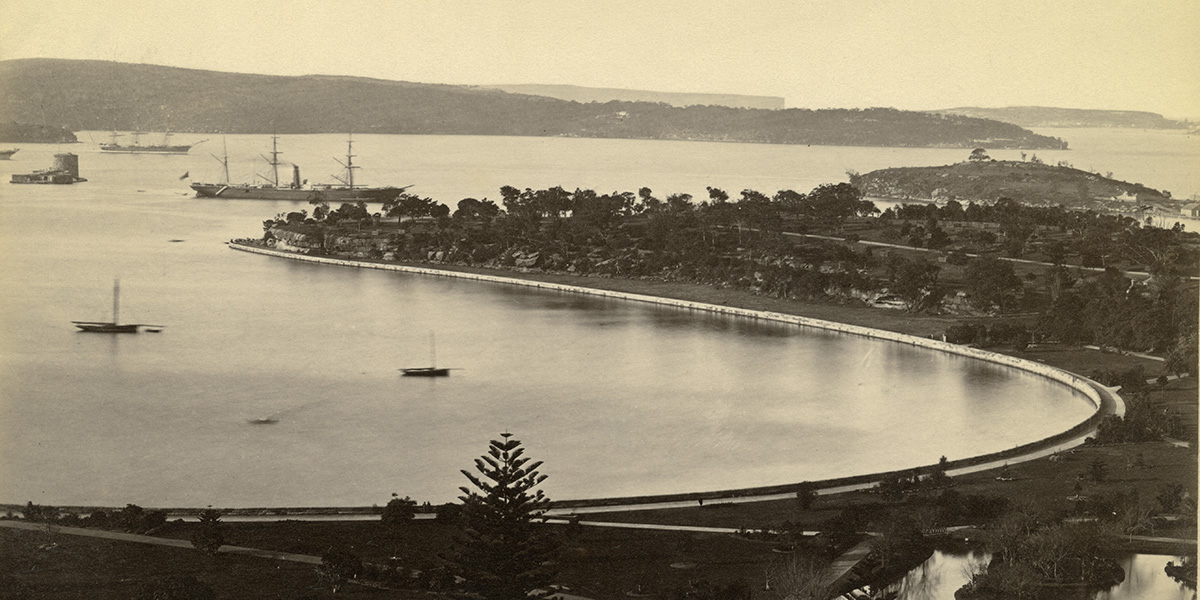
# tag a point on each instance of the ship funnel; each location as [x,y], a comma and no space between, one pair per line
[67,162]
[296,176]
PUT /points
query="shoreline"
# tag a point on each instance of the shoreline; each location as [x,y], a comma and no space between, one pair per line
[1105,401]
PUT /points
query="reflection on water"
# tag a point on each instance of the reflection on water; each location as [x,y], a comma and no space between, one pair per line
[945,572]
[939,576]
[1145,579]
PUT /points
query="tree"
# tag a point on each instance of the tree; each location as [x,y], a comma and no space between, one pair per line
[1170,497]
[394,520]
[470,208]
[135,519]
[398,511]
[981,155]
[406,205]
[834,203]
[208,537]
[338,566]
[992,282]
[939,477]
[800,577]
[502,552]
[806,496]
[915,281]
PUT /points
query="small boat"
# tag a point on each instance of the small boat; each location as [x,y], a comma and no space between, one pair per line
[430,371]
[7,154]
[425,372]
[115,326]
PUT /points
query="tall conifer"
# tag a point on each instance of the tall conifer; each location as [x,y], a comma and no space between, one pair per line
[503,552]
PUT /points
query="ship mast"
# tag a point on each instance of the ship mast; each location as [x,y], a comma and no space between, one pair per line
[116,301]
[224,161]
[349,164]
[274,160]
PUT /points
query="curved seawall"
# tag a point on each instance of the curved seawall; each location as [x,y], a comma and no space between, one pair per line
[1103,400]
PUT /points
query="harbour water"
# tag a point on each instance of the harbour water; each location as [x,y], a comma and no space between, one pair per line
[945,572]
[617,398]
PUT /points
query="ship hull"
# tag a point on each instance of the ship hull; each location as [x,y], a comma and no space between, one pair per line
[425,372]
[105,328]
[146,149]
[332,194]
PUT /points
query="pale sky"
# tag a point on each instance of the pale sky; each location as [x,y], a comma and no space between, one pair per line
[1104,54]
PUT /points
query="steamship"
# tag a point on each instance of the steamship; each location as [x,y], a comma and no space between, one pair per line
[343,191]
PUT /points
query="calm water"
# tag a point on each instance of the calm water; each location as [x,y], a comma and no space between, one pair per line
[943,573]
[617,398]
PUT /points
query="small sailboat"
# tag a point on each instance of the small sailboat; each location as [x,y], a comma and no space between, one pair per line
[432,370]
[115,325]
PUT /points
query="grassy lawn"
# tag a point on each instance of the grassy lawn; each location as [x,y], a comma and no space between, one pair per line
[594,562]
[36,565]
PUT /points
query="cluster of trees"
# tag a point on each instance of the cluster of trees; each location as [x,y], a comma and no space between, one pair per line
[893,487]
[1111,310]
[1031,549]
[132,518]
[1142,423]
[1099,240]
[738,243]
[1029,553]
[716,241]
[999,334]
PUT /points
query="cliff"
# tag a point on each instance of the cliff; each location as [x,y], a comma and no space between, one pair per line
[1046,116]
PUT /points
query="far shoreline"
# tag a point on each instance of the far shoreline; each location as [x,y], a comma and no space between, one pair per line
[919,330]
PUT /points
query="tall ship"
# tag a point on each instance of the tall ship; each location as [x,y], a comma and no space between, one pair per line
[345,190]
[138,148]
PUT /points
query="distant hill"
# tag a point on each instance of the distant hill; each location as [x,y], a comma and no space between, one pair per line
[1045,116]
[576,93]
[1026,182]
[101,95]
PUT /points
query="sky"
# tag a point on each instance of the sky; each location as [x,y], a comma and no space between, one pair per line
[920,55]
